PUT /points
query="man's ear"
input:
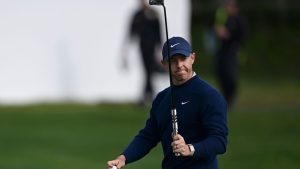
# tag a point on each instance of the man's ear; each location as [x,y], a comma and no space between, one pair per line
[164,64]
[193,57]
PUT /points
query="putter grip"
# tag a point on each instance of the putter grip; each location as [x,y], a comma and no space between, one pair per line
[175,125]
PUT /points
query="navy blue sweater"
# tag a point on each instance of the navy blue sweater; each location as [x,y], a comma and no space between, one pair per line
[202,121]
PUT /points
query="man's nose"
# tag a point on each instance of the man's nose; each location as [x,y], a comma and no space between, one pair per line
[179,63]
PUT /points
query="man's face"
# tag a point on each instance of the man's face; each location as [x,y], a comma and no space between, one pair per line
[181,68]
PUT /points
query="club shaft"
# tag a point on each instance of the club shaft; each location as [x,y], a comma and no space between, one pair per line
[173,107]
[169,61]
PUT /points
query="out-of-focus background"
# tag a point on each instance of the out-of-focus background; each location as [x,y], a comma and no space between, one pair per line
[72,51]
[66,102]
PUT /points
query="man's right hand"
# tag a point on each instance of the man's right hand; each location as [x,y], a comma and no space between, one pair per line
[119,162]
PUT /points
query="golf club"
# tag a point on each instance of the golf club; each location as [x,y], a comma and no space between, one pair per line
[173,107]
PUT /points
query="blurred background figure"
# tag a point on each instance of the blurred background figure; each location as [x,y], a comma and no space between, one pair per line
[230,30]
[145,31]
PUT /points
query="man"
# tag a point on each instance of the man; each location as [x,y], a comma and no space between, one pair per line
[201,113]
[145,27]
[230,29]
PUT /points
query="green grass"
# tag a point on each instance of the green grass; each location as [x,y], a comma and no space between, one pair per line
[264,132]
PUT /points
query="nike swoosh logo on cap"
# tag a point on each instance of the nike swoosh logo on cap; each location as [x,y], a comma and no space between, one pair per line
[174,45]
[183,103]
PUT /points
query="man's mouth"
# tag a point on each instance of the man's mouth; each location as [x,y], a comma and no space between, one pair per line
[180,72]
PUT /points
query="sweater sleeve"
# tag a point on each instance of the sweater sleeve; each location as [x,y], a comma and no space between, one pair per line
[215,127]
[144,141]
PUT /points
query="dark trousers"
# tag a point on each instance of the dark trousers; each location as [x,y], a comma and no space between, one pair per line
[149,62]
[226,70]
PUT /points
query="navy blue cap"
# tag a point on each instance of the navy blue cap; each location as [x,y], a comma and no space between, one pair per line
[178,45]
